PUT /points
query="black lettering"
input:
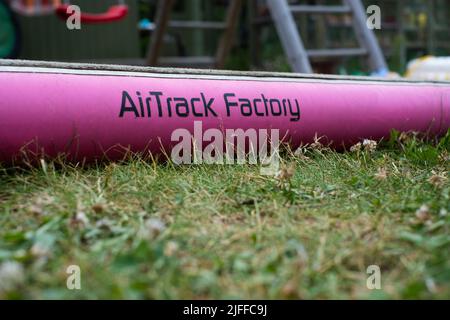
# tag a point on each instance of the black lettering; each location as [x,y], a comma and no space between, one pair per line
[147,102]
[169,107]
[284,107]
[131,108]
[207,106]
[272,102]
[265,104]
[256,107]
[196,114]
[179,106]
[141,103]
[295,112]
[229,104]
[246,105]
[157,95]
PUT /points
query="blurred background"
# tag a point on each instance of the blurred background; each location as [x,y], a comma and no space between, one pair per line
[236,35]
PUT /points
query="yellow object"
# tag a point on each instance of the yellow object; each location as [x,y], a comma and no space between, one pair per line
[429,68]
[422,20]
[35,7]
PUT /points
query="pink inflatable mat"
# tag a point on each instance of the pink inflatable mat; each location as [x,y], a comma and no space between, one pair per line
[88,111]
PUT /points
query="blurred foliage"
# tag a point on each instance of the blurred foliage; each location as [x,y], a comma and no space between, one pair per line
[399,47]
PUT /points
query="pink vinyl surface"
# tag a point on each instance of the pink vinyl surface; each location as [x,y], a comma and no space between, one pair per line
[81,114]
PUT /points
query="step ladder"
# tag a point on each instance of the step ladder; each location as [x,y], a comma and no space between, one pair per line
[299,58]
[163,22]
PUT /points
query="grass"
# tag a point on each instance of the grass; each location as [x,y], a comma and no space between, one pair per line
[139,229]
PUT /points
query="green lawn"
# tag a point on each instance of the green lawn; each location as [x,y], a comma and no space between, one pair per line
[144,230]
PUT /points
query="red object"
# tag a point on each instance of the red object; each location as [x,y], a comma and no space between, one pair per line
[114,13]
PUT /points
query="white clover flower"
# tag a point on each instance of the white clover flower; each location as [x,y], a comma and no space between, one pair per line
[381,174]
[356,147]
[437,179]
[152,228]
[11,275]
[369,145]
[423,213]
